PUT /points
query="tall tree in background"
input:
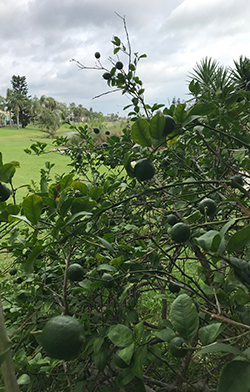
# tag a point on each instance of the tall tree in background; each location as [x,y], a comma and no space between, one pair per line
[20,101]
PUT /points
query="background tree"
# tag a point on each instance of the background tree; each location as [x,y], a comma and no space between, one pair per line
[20,102]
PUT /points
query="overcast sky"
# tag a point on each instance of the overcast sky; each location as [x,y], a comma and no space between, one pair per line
[40,37]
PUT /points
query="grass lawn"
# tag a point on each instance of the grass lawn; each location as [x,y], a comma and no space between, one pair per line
[13,141]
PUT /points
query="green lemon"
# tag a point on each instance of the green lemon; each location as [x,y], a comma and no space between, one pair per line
[173,288]
[171,219]
[169,125]
[75,272]
[106,76]
[236,180]
[180,232]
[107,280]
[119,65]
[207,206]
[5,192]
[63,337]
[176,347]
[144,169]
[13,271]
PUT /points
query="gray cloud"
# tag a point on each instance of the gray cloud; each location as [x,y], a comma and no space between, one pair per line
[38,39]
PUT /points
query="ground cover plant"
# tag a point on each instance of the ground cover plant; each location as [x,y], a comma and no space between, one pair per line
[147,271]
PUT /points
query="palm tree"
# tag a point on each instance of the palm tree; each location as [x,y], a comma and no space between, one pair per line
[213,79]
[241,74]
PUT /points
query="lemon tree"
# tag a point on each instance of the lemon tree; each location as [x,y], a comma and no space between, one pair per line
[155,231]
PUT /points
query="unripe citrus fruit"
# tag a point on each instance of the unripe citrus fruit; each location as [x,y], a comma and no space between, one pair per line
[119,65]
[75,272]
[106,76]
[176,347]
[207,206]
[107,132]
[236,180]
[169,125]
[63,337]
[144,169]
[107,280]
[13,271]
[97,55]
[174,288]
[180,232]
[96,130]
[5,192]
[171,219]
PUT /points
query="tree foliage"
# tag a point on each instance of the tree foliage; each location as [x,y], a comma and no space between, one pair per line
[141,289]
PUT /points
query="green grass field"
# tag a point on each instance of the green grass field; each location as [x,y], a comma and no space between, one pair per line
[13,141]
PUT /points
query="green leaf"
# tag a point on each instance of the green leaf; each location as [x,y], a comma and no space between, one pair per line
[106,267]
[219,347]
[180,113]
[101,357]
[209,333]
[120,335]
[32,208]
[126,353]
[81,187]
[184,317]
[140,132]
[66,181]
[24,379]
[165,335]
[1,159]
[194,87]
[7,171]
[107,245]
[202,109]
[138,332]
[157,124]
[82,204]
[127,164]
[138,360]
[235,377]
[95,192]
[124,377]
[227,226]
[239,240]
[29,262]
[209,241]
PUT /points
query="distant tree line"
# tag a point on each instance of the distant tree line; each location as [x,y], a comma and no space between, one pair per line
[45,112]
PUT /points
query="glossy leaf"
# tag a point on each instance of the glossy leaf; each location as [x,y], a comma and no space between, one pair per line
[184,317]
[235,377]
[126,353]
[209,241]
[7,171]
[32,208]
[209,333]
[120,335]
[157,124]
[140,132]
[239,240]
[219,348]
